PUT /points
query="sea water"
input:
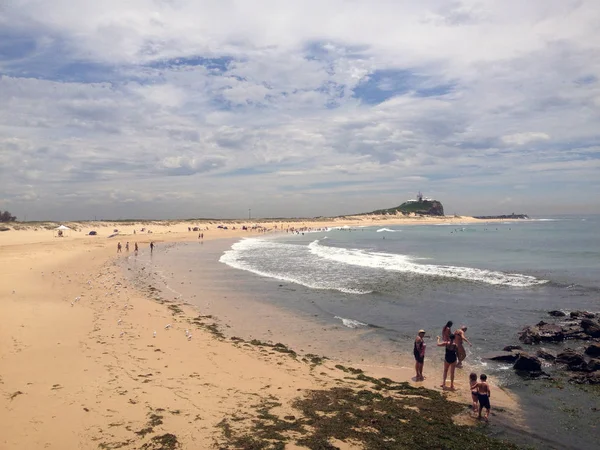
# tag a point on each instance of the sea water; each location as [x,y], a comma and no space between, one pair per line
[494,277]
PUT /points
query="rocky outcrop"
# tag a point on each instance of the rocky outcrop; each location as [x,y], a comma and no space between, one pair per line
[542,332]
[557,313]
[543,354]
[593,365]
[527,363]
[502,356]
[582,314]
[586,378]
[510,348]
[591,327]
[572,359]
[593,350]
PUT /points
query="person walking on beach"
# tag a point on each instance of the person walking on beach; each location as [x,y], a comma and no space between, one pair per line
[119,247]
[460,339]
[127,246]
[419,353]
[447,331]
[151,247]
[450,359]
[136,249]
[483,395]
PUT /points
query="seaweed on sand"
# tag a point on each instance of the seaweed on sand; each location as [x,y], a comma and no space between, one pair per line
[395,416]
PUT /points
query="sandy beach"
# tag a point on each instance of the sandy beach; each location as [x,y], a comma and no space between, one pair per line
[87,361]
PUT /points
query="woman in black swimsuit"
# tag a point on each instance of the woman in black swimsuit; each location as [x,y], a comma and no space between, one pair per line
[450,359]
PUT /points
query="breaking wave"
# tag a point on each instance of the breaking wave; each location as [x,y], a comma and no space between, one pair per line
[405,264]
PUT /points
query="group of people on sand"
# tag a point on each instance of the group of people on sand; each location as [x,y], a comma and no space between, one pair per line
[454,355]
[120,247]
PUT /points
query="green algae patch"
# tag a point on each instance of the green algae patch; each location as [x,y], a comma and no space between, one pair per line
[387,415]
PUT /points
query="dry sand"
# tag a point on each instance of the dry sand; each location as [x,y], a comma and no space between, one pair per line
[80,368]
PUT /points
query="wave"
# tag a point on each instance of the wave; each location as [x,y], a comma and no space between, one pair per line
[405,264]
[237,257]
[351,323]
[388,230]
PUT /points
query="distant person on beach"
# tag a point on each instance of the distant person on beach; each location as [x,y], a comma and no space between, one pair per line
[450,359]
[473,386]
[151,247]
[127,246]
[119,247]
[136,248]
[419,353]
[460,339]
[483,395]
[447,331]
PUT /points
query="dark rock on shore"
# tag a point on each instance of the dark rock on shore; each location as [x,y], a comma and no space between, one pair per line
[542,332]
[593,365]
[510,348]
[543,354]
[502,356]
[586,378]
[574,361]
[591,327]
[593,350]
[527,363]
[579,314]
[557,313]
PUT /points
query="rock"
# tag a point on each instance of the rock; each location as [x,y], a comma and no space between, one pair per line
[527,363]
[593,350]
[542,332]
[545,355]
[586,314]
[575,332]
[530,335]
[510,348]
[593,365]
[572,359]
[557,313]
[591,327]
[550,332]
[586,378]
[502,356]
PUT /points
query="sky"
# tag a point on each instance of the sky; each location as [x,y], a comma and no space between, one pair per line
[167,109]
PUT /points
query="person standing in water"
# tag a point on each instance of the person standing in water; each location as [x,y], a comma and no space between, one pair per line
[151,247]
[460,339]
[136,249]
[450,359]
[419,354]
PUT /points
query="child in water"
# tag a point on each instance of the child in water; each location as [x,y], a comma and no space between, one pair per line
[483,395]
[473,384]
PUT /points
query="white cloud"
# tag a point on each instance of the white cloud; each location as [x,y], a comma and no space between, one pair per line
[242,100]
[524,138]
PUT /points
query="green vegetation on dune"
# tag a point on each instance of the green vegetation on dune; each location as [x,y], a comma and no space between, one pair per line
[423,207]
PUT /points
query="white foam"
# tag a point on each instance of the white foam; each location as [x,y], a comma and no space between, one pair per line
[387,230]
[405,264]
[351,323]
[235,258]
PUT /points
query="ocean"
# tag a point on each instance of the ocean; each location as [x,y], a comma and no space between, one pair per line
[362,293]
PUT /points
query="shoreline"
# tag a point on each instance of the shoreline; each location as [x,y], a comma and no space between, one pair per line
[70,379]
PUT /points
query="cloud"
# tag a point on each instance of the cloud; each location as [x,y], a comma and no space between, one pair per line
[271,104]
[524,138]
